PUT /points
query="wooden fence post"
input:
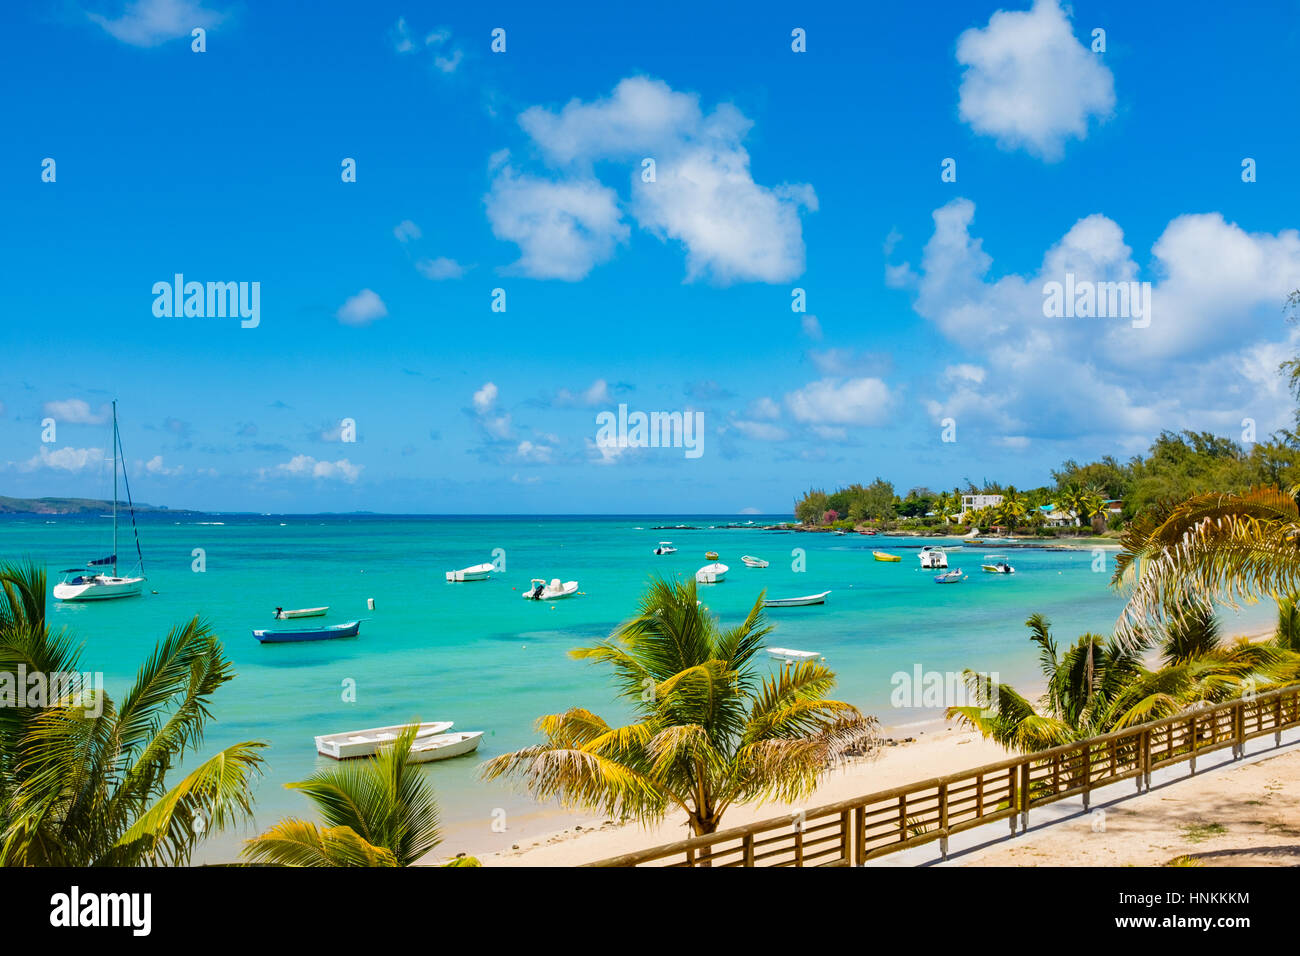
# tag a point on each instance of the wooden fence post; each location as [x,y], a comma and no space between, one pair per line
[943,820]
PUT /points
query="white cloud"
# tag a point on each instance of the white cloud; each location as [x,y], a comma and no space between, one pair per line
[833,402]
[812,328]
[1208,358]
[764,408]
[401,36]
[64,459]
[1029,82]
[74,411]
[406,230]
[440,268]
[496,424]
[155,466]
[563,229]
[362,309]
[533,452]
[704,194]
[305,466]
[595,394]
[151,22]
[761,431]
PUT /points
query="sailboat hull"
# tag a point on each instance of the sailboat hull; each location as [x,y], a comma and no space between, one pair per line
[101,589]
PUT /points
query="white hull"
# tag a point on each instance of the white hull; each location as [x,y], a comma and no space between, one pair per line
[752,562]
[448,745]
[478,572]
[301,612]
[551,592]
[363,743]
[102,588]
[931,560]
[711,574]
[791,656]
[798,601]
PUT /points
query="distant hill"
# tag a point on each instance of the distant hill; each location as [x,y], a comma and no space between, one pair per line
[63,506]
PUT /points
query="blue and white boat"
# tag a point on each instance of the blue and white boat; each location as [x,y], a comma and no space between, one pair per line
[951,577]
[267,636]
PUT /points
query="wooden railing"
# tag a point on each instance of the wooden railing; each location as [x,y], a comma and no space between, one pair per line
[854,831]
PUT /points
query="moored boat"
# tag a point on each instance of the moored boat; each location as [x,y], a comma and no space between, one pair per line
[540,590]
[444,746]
[885,556]
[933,558]
[791,656]
[665,547]
[796,601]
[711,555]
[267,636]
[950,577]
[711,573]
[478,572]
[363,743]
[997,564]
[753,562]
[282,615]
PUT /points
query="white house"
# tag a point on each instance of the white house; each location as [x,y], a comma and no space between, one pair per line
[976,502]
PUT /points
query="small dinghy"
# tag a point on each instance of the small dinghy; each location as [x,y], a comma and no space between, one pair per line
[791,656]
[363,743]
[665,547]
[711,555]
[952,577]
[753,562]
[282,615]
[885,556]
[429,749]
[478,572]
[539,590]
[266,636]
[796,601]
[711,574]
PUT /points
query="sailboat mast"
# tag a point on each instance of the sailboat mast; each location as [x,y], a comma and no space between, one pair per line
[114,487]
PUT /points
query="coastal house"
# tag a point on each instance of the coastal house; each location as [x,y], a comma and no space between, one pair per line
[1114,506]
[976,502]
[1056,517]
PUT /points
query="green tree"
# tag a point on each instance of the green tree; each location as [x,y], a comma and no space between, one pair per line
[708,732]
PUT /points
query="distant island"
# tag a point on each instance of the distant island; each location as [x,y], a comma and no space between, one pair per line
[65,506]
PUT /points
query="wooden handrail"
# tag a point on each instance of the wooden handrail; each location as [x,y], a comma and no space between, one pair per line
[1071,768]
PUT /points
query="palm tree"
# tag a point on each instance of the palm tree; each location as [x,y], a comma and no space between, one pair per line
[1101,685]
[83,781]
[1229,547]
[707,731]
[378,811]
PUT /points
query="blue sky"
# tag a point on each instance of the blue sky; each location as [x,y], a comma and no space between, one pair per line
[522,171]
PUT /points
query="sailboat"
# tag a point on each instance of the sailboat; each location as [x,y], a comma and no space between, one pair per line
[93,583]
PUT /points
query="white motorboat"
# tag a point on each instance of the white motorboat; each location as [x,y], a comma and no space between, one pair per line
[997,564]
[753,562]
[91,583]
[282,615]
[429,749]
[796,601]
[791,656]
[540,590]
[665,547]
[933,558]
[478,572]
[713,573]
[363,743]
[950,577]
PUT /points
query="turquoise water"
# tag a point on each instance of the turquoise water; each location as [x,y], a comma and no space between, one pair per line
[477,654]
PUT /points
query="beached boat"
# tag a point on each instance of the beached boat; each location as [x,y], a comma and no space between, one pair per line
[885,556]
[429,749]
[997,564]
[329,633]
[792,656]
[753,562]
[950,577]
[363,743]
[933,558]
[540,590]
[711,555]
[282,615]
[796,601]
[93,583]
[665,547]
[478,572]
[711,574]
